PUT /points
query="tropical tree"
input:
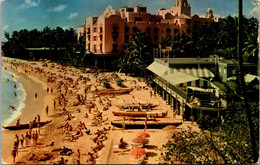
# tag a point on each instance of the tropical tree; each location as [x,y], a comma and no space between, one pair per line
[251,47]
[139,52]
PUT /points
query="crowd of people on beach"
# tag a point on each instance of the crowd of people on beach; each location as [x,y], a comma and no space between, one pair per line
[71,91]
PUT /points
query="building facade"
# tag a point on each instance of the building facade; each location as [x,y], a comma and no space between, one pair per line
[109,34]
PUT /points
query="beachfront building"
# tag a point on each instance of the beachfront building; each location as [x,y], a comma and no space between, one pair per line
[109,34]
[185,83]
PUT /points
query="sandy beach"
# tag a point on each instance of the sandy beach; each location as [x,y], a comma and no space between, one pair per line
[70,86]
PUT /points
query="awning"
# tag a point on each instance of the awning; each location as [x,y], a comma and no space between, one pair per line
[157,68]
[197,72]
[175,78]
[201,89]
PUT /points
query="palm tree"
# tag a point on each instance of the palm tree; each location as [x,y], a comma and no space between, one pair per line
[139,52]
[251,47]
[242,82]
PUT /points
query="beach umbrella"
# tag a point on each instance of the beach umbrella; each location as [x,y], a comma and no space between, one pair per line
[119,80]
[64,67]
[142,135]
[141,140]
[137,152]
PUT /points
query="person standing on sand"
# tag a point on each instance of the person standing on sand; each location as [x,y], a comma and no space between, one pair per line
[54,104]
[18,122]
[47,90]
[39,127]
[30,128]
[78,157]
[51,90]
[47,110]
[145,123]
[16,141]
[27,139]
[192,119]
[14,153]
[22,140]
[39,118]
[36,137]
[35,95]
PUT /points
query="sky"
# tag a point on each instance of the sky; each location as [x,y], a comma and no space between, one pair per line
[37,14]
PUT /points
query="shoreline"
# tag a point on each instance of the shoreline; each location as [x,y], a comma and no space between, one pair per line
[21,99]
[30,110]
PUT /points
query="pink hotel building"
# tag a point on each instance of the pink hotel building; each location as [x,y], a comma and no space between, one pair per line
[109,34]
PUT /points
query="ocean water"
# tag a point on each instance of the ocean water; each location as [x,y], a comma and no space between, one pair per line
[9,98]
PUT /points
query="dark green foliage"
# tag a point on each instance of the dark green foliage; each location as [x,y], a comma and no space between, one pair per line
[207,122]
[217,38]
[227,143]
[139,53]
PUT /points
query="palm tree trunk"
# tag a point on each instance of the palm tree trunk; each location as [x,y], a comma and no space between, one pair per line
[242,82]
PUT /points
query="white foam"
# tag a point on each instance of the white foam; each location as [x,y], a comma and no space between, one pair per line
[21,100]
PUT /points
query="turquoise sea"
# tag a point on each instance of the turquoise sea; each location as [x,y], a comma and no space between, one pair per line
[9,98]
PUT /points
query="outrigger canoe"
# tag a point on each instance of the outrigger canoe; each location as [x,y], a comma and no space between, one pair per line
[113,91]
[140,124]
[141,114]
[25,126]
[136,106]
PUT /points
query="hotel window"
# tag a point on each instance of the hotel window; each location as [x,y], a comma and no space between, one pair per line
[175,31]
[95,29]
[114,48]
[168,30]
[114,29]
[126,38]
[156,30]
[101,29]
[148,30]
[95,38]
[189,83]
[155,38]
[176,21]
[88,30]
[100,47]
[130,10]
[188,31]
[88,37]
[95,48]
[134,29]
[138,19]
[100,37]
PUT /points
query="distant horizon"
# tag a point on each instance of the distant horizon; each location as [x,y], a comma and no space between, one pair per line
[72,13]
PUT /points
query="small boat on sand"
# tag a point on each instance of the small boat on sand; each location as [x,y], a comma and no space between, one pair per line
[141,114]
[140,124]
[113,91]
[136,106]
[25,126]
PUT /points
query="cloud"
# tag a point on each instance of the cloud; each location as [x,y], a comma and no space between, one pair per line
[217,15]
[5,28]
[29,3]
[254,12]
[67,27]
[73,15]
[59,8]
